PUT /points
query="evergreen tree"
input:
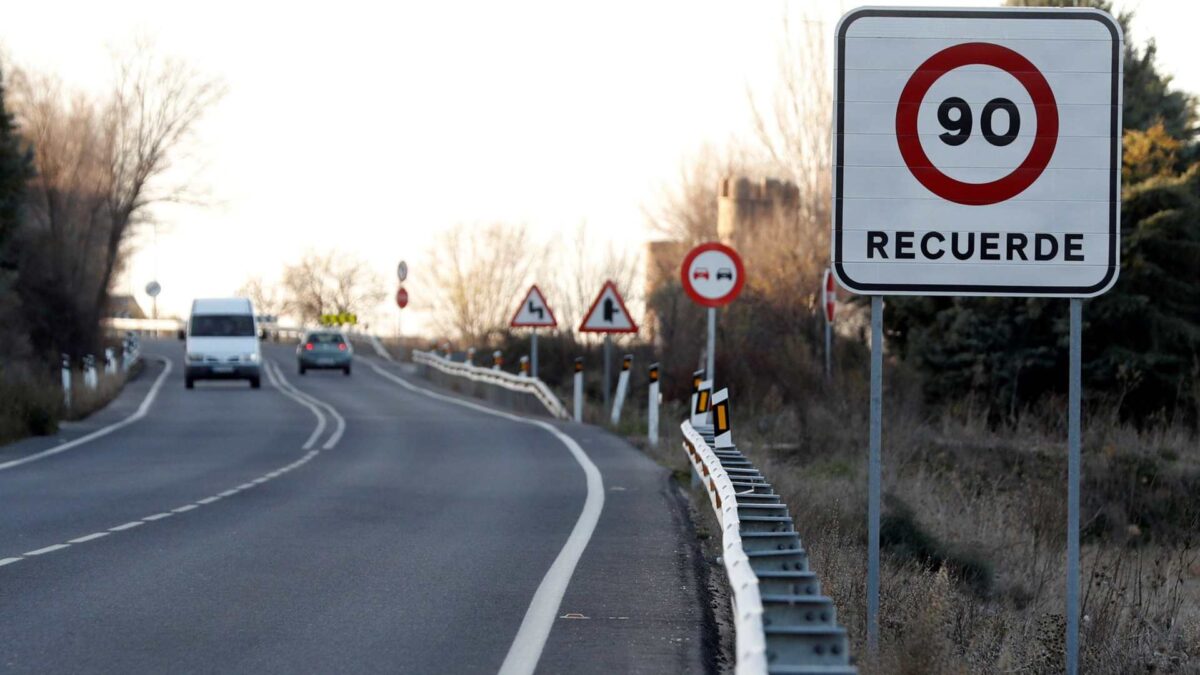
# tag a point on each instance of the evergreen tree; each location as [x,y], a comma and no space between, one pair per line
[1142,338]
[16,168]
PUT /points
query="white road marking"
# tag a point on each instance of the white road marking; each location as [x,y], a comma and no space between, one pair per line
[313,404]
[531,638]
[91,537]
[48,549]
[104,431]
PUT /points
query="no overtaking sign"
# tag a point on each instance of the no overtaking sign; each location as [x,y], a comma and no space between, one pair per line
[977,152]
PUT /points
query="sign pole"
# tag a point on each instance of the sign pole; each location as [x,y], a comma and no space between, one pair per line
[533,357]
[711,365]
[875,474]
[607,367]
[1073,478]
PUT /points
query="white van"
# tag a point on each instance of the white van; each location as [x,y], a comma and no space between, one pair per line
[222,342]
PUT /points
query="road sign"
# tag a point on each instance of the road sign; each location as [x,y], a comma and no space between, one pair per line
[344,318]
[608,313]
[153,289]
[712,274]
[402,271]
[533,311]
[977,152]
[401,298]
[829,296]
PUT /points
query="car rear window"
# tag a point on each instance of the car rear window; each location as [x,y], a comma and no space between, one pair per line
[325,338]
[222,325]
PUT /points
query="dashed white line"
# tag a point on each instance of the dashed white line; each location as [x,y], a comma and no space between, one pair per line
[91,537]
[48,549]
[277,378]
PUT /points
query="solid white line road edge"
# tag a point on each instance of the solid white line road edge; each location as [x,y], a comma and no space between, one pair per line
[103,431]
[535,628]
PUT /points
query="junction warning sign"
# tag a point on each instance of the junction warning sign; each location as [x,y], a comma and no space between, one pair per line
[977,152]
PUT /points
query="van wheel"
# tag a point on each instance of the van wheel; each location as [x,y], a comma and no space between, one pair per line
[189,383]
[303,370]
[255,383]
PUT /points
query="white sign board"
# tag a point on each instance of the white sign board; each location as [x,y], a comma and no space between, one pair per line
[153,289]
[608,313]
[533,311]
[712,274]
[402,271]
[977,152]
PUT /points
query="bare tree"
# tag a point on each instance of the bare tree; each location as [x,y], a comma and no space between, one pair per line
[330,283]
[268,298]
[481,272]
[578,268]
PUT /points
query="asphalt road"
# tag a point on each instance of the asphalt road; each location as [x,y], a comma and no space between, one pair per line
[351,524]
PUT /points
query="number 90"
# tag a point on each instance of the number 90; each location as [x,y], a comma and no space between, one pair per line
[958,129]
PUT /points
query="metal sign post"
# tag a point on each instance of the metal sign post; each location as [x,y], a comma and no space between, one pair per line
[533,355]
[710,363]
[1074,470]
[607,368]
[874,473]
[578,389]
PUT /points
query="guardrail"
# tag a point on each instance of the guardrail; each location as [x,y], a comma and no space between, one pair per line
[516,383]
[782,623]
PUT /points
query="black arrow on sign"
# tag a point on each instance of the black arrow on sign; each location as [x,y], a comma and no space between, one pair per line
[534,309]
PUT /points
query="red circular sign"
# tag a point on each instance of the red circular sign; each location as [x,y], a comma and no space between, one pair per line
[402,298]
[712,274]
[1011,185]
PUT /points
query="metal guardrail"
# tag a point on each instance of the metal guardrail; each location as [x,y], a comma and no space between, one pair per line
[782,623]
[497,378]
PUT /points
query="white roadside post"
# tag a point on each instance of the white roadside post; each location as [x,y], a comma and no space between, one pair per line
[622,387]
[497,359]
[698,409]
[66,380]
[722,429]
[524,361]
[608,315]
[110,363]
[1019,197]
[578,400]
[470,356]
[652,408]
[89,372]
[712,275]
[533,312]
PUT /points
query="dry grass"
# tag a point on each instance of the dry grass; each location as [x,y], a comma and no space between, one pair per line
[974,532]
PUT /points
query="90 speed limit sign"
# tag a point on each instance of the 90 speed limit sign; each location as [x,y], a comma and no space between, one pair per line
[977,152]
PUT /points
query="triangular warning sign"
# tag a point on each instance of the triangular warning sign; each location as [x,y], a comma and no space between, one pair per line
[608,313]
[533,312]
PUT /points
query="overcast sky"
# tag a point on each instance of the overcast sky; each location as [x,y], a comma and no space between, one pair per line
[370,126]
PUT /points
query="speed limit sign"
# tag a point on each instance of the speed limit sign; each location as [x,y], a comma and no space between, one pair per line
[977,152]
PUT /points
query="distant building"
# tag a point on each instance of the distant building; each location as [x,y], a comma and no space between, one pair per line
[125,307]
[742,204]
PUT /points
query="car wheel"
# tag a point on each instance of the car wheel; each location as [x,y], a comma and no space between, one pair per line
[189,383]
[255,383]
[346,370]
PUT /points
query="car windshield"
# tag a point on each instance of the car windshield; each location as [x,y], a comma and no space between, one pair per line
[222,325]
[325,338]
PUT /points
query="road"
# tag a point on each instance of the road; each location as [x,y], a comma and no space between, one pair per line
[328,523]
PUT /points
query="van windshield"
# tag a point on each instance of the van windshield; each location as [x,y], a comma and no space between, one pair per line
[222,325]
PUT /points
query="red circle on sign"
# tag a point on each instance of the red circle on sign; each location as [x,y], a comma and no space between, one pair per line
[738,280]
[1045,139]
[402,298]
